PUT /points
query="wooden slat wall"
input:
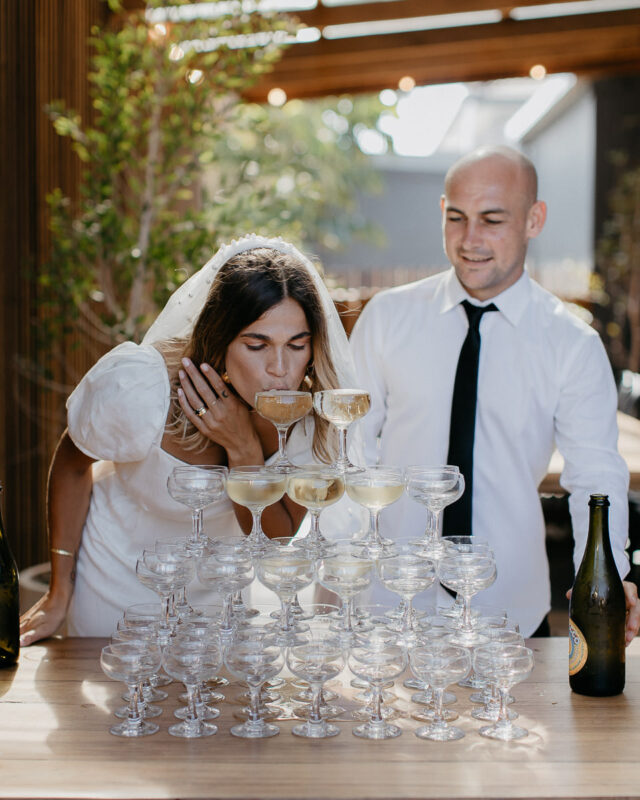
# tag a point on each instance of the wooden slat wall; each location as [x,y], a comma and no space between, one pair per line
[44,56]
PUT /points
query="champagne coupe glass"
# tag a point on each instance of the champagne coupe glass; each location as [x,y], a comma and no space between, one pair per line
[319,659]
[151,613]
[202,629]
[341,407]
[375,488]
[466,574]
[439,664]
[435,488]
[503,665]
[177,547]
[283,408]
[164,575]
[132,662]
[197,486]
[192,662]
[286,570]
[488,697]
[315,487]
[226,571]
[346,573]
[407,575]
[433,634]
[321,618]
[254,658]
[147,692]
[377,661]
[255,488]
[461,544]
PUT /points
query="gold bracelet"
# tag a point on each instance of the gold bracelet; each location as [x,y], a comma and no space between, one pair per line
[59,551]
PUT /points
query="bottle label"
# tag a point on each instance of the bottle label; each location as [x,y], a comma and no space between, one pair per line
[578,650]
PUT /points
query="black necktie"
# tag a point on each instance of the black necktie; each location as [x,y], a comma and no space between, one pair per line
[457,517]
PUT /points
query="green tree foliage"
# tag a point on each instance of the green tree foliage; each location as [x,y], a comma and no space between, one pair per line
[177,163]
[618,277]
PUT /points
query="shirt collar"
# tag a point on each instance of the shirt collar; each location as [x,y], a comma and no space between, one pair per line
[511,303]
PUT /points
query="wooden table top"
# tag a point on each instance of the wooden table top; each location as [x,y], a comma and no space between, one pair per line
[628,445]
[55,711]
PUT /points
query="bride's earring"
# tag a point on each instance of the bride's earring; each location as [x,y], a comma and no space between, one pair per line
[225,377]
[307,381]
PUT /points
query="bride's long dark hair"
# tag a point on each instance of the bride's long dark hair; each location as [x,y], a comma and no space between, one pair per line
[245,287]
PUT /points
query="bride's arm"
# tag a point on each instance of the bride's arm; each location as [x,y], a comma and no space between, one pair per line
[68,496]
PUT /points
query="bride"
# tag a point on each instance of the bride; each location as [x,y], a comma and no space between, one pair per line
[257,316]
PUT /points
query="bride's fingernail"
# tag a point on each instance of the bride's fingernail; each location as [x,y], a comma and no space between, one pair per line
[204,367]
[186,362]
[181,374]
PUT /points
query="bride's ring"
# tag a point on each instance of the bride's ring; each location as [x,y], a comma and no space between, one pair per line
[200,412]
[224,393]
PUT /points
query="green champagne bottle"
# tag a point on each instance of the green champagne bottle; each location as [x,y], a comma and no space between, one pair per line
[9,603]
[597,613]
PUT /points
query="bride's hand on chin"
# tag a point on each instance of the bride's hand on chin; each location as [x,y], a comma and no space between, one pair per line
[218,413]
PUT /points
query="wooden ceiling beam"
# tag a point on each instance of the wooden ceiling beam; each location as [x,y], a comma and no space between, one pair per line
[480,53]
[402,9]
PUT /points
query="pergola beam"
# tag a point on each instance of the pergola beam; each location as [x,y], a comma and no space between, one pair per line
[593,44]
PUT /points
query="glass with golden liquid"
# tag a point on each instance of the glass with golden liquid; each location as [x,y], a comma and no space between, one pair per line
[283,408]
[342,407]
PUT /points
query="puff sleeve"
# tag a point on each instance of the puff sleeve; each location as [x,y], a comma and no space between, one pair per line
[119,408]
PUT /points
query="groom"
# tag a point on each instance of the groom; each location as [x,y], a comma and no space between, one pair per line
[481,367]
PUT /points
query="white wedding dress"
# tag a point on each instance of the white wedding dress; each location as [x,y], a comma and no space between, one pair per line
[117,414]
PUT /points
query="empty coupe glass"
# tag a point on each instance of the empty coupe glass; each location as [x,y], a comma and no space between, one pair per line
[197,486]
[503,665]
[228,570]
[439,664]
[346,573]
[407,576]
[377,661]
[467,573]
[320,658]
[164,575]
[254,658]
[192,662]
[435,488]
[131,663]
[286,570]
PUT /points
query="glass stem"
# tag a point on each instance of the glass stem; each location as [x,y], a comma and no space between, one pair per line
[257,534]
[374,530]
[428,530]
[346,604]
[227,614]
[342,461]
[435,525]
[314,715]
[376,703]
[166,609]
[407,614]
[135,716]
[254,705]
[466,613]
[314,527]
[285,615]
[196,523]
[192,714]
[282,442]
[438,697]
[503,716]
